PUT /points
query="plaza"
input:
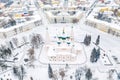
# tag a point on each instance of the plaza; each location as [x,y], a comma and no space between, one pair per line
[59,40]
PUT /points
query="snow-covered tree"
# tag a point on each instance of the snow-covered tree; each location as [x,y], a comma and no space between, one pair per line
[1,78]
[19,71]
[88,74]
[87,40]
[31,78]
[50,72]
[98,53]
[78,74]
[67,66]
[98,40]
[118,76]
[93,55]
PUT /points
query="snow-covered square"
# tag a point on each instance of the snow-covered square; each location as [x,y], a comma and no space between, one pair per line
[59,40]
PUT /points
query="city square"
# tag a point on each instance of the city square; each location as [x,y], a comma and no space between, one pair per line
[59,40]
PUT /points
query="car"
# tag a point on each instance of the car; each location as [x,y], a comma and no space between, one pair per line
[15,59]
[26,60]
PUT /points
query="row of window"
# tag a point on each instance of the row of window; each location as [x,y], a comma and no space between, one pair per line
[113,32]
[110,30]
[62,58]
[23,28]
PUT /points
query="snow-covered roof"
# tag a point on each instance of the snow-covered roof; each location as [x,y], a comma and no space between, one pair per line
[63,14]
[47,6]
[2,5]
[117,1]
[36,17]
[111,25]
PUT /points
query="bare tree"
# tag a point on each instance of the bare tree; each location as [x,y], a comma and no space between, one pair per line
[15,30]
[16,71]
[36,40]
[39,38]
[11,45]
[31,55]
[22,72]
[19,72]
[62,74]
[15,41]
[4,34]
[24,39]
[5,52]
[3,65]
[110,74]
[75,21]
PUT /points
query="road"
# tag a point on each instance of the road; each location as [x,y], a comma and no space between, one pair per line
[91,8]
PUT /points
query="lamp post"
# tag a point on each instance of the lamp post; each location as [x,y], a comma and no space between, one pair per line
[72,34]
[47,36]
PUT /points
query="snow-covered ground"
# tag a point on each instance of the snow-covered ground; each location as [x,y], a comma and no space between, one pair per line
[109,47]
[108,43]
